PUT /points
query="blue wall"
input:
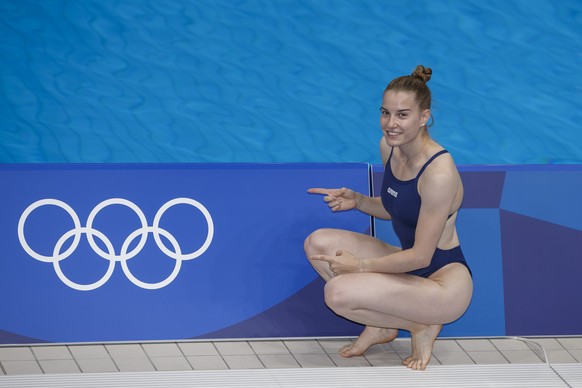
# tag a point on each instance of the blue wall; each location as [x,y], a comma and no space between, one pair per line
[252,279]
[114,288]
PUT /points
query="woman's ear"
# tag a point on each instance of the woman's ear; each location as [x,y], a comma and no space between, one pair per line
[425,116]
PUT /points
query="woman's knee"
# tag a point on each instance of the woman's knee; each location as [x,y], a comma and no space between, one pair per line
[318,242]
[335,295]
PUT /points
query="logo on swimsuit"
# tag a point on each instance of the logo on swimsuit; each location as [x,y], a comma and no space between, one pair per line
[392,192]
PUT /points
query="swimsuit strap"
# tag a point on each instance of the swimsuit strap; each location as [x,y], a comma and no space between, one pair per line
[391,152]
[430,161]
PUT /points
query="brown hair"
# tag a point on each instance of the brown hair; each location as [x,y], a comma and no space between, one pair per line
[414,83]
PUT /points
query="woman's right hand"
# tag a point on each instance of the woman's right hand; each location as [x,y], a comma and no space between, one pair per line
[338,199]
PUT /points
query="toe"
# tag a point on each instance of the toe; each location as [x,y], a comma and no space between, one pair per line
[346,351]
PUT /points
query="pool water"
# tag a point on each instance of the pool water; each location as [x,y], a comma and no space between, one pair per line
[99,81]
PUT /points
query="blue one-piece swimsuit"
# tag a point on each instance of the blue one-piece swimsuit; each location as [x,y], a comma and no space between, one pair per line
[402,201]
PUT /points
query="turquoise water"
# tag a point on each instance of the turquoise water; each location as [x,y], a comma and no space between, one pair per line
[284,81]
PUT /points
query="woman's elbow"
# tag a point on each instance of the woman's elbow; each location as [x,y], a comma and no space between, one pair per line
[423,259]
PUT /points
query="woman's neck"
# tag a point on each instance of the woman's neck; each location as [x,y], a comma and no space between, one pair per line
[411,152]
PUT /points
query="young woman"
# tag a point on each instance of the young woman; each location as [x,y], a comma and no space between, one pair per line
[426,282]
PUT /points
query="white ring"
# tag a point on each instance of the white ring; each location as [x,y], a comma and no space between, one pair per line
[207,216]
[32,252]
[90,230]
[77,286]
[110,255]
[163,283]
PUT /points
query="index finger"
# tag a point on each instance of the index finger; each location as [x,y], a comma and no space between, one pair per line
[317,190]
[326,258]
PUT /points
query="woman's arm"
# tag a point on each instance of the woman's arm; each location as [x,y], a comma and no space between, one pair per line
[348,199]
[372,206]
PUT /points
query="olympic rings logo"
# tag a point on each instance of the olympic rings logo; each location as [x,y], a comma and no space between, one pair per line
[110,254]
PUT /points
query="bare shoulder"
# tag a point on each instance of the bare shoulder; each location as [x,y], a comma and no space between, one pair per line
[384,150]
[441,174]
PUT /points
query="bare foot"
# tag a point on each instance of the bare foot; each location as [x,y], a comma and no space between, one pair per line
[422,344]
[370,336]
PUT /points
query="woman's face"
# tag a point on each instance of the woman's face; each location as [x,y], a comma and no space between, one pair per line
[401,119]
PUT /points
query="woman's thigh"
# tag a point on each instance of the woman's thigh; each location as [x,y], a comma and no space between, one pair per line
[329,241]
[412,298]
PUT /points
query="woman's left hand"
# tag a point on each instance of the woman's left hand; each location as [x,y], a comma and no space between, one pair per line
[343,262]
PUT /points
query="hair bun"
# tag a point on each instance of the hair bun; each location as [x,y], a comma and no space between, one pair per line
[422,72]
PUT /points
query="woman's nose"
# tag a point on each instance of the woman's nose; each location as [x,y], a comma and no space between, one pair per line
[391,122]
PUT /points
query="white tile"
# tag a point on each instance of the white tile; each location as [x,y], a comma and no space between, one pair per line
[162,350]
[314,360]
[59,366]
[404,353]
[448,355]
[454,358]
[276,361]
[334,346]
[304,347]
[384,359]
[16,354]
[198,349]
[126,351]
[269,347]
[243,362]
[537,349]
[548,343]
[21,367]
[234,348]
[571,342]
[522,357]
[488,357]
[560,356]
[170,363]
[88,351]
[52,353]
[380,349]
[134,364]
[446,346]
[577,354]
[434,361]
[476,345]
[96,365]
[509,344]
[356,361]
[387,347]
[207,362]
[402,346]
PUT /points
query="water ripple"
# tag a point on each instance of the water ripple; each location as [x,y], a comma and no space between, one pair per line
[285,81]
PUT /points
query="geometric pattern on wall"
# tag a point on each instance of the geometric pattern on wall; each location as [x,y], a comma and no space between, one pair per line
[541,223]
[525,269]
